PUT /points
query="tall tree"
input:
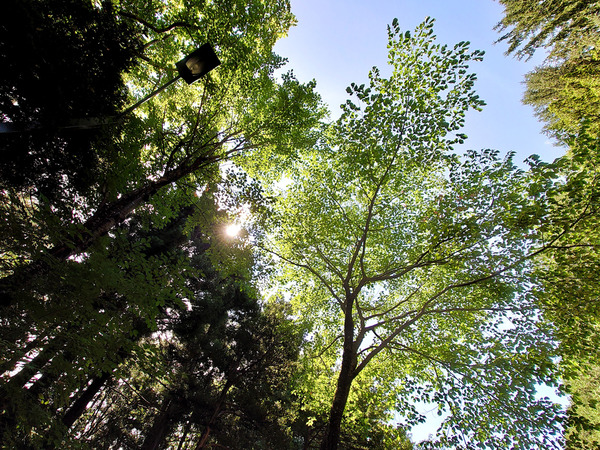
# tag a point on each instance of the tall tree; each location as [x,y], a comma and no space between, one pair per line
[411,263]
[568,289]
[222,375]
[564,92]
[84,268]
[529,25]
[115,296]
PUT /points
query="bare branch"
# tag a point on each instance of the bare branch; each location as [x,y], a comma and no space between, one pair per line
[337,338]
[398,304]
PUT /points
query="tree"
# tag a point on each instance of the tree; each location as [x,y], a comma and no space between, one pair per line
[80,269]
[564,89]
[411,263]
[564,93]
[565,97]
[115,297]
[241,111]
[559,25]
[217,372]
[568,286]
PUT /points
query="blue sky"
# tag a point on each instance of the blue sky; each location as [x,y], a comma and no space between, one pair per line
[336,42]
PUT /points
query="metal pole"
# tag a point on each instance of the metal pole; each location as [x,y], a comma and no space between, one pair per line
[149,96]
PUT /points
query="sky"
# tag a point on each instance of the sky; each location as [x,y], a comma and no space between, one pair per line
[336,42]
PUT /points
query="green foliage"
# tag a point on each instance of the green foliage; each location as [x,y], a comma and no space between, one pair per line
[410,263]
[90,274]
[565,96]
[564,92]
[101,306]
[239,109]
[559,25]
[568,287]
[218,369]
[583,430]
[98,247]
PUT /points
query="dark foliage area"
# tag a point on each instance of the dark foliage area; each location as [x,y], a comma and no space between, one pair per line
[61,65]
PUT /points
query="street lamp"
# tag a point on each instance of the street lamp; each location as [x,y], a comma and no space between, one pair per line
[191,68]
[197,64]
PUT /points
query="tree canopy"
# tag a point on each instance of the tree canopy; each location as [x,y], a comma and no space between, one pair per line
[91,272]
[411,262]
[378,269]
[564,93]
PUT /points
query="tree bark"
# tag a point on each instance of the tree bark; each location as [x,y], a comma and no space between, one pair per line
[79,406]
[340,398]
[344,382]
[215,414]
[161,426]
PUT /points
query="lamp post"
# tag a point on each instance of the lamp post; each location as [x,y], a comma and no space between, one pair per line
[191,68]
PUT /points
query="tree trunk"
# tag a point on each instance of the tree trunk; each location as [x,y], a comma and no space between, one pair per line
[344,382]
[340,398]
[37,363]
[215,414]
[19,354]
[79,406]
[161,426]
[183,438]
[10,400]
[108,216]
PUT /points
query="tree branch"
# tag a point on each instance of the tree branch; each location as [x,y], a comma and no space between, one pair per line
[154,28]
[310,269]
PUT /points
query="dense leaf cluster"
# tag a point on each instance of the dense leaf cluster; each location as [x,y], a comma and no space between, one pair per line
[62,65]
[564,91]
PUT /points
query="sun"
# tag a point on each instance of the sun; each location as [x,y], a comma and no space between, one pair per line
[232,230]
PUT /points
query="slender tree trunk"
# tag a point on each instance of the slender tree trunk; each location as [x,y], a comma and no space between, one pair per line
[186,430]
[42,383]
[36,364]
[10,398]
[49,377]
[215,414]
[19,354]
[87,393]
[161,426]
[79,406]
[344,383]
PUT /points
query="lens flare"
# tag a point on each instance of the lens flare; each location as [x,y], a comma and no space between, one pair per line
[232,230]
